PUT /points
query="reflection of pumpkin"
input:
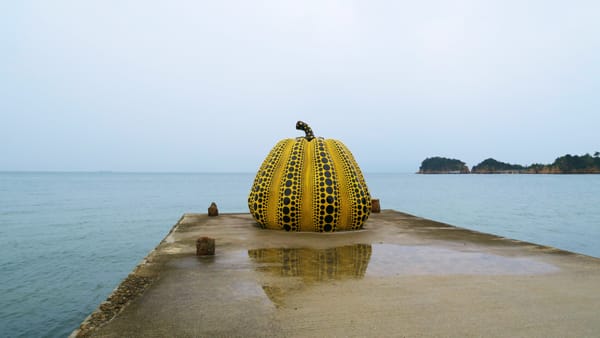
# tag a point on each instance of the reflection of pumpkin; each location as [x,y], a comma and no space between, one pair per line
[315,265]
[308,266]
[310,184]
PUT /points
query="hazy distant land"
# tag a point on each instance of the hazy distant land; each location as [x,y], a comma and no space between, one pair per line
[567,164]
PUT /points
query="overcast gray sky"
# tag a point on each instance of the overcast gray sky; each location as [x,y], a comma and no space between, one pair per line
[213,85]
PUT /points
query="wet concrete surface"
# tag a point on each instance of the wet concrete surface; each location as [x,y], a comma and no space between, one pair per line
[400,276]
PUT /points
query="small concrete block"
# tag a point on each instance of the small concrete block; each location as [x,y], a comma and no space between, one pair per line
[205,246]
[213,210]
[375,207]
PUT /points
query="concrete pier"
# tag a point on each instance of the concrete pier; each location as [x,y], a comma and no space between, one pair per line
[401,276]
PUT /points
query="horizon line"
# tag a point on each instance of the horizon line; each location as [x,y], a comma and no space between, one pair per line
[157,172]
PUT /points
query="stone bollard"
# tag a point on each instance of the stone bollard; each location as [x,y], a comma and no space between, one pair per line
[213,210]
[205,246]
[375,207]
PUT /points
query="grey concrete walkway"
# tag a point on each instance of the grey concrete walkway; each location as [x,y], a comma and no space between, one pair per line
[402,276]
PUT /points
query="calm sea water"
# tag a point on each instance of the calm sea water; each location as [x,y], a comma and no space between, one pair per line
[68,239]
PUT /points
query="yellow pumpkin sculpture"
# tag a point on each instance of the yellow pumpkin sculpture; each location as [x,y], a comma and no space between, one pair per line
[310,184]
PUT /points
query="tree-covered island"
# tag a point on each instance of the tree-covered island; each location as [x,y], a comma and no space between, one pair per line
[442,165]
[568,164]
[491,166]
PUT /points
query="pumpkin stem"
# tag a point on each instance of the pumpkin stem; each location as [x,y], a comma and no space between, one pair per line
[303,126]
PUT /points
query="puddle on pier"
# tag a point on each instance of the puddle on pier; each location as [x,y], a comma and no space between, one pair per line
[356,261]
[289,270]
[393,260]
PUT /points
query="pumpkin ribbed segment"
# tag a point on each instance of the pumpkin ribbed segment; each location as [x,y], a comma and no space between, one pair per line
[311,185]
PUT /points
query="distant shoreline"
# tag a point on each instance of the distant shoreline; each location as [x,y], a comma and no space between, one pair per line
[506,172]
[567,164]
